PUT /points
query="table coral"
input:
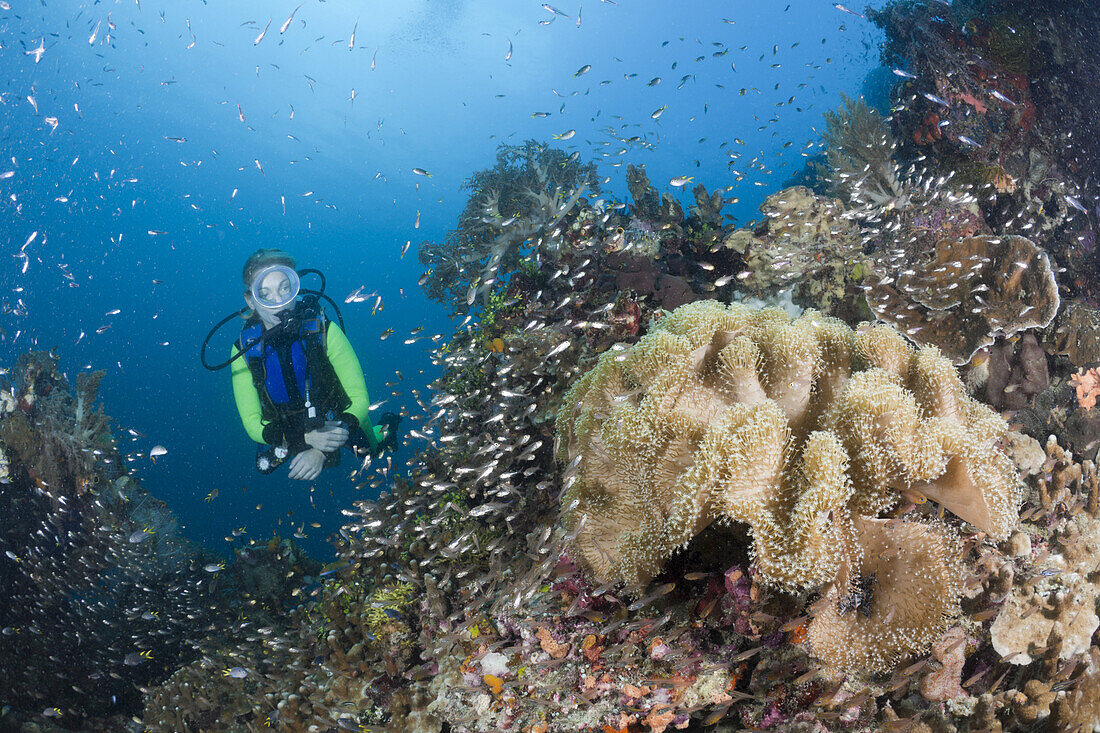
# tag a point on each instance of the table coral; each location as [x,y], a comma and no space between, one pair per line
[805,431]
[969,292]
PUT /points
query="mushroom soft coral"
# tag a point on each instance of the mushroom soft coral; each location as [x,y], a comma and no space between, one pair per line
[894,601]
[805,532]
[930,438]
[793,427]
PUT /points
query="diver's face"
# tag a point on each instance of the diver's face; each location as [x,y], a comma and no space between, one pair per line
[274,287]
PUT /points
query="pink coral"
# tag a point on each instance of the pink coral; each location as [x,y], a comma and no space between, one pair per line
[973,101]
[943,684]
[1087,384]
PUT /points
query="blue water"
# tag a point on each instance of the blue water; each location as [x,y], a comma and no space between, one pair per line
[151,226]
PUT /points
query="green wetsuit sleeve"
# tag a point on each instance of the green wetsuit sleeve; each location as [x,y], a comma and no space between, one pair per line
[346,365]
[248,400]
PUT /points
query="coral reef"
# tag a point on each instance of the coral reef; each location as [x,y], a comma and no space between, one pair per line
[807,242]
[101,591]
[828,519]
[1080,708]
[1075,333]
[663,211]
[898,599]
[863,507]
[992,99]
[1055,608]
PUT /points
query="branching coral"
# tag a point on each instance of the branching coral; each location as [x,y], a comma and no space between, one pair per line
[1086,384]
[1058,603]
[969,292]
[860,152]
[515,207]
[803,430]
[1079,710]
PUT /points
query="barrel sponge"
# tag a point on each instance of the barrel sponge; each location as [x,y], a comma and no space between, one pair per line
[796,428]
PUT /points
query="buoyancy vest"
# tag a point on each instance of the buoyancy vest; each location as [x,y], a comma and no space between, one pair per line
[290,367]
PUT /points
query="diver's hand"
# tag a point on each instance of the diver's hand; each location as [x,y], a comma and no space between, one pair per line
[307,465]
[389,422]
[328,438]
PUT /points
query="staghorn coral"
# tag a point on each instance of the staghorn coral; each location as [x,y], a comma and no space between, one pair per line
[803,430]
[1008,278]
[860,152]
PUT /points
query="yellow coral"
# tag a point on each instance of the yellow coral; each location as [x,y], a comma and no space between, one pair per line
[392,598]
[802,429]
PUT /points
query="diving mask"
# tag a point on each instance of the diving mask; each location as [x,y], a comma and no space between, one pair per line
[275,286]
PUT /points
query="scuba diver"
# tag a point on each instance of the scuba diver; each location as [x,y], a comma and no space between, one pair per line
[297,382]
